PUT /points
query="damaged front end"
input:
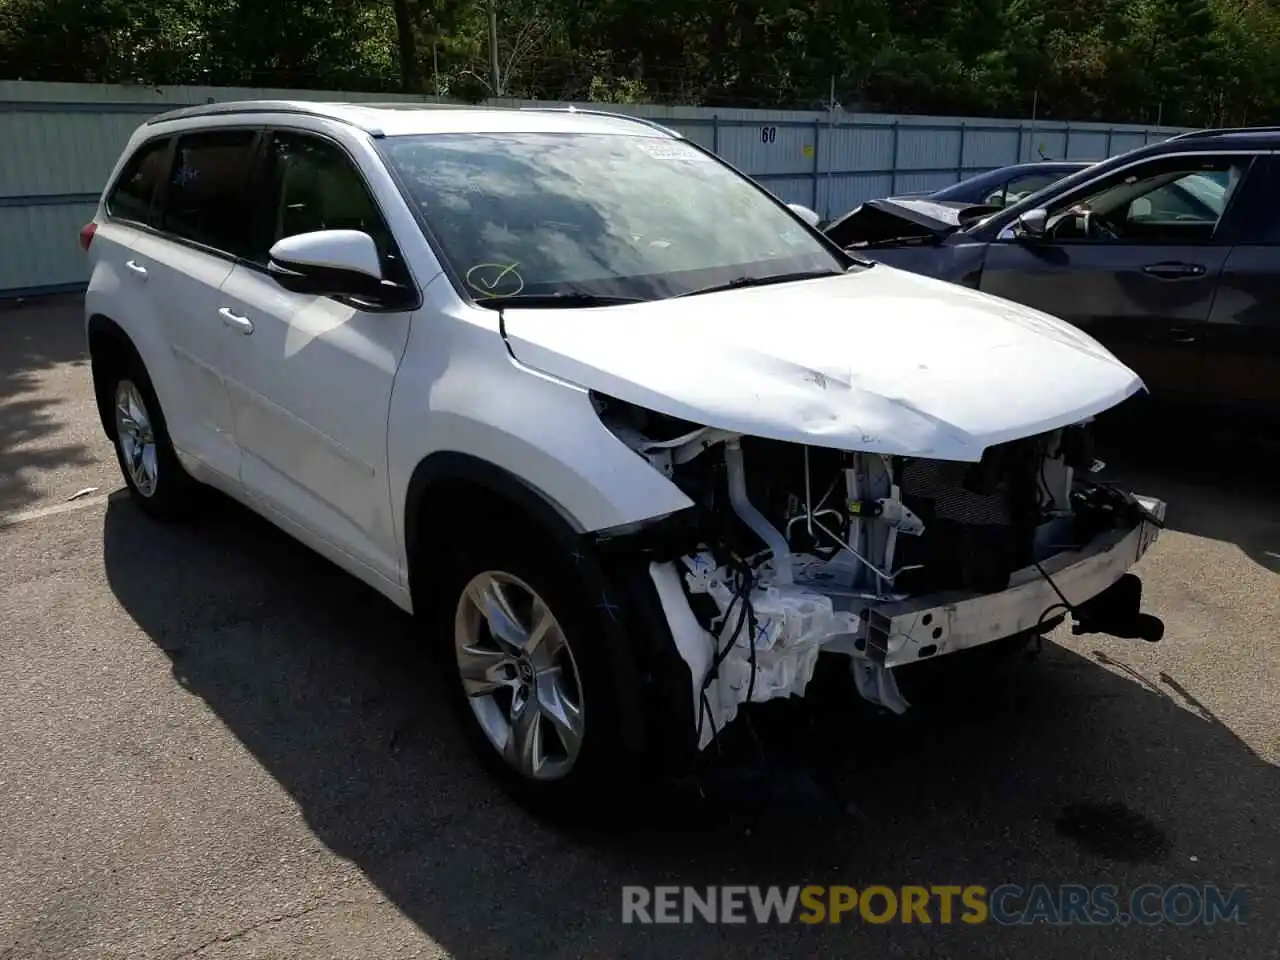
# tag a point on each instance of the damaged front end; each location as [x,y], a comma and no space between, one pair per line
[792,550]
[902,220]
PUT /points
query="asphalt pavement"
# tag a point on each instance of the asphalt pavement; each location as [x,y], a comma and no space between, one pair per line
[214,744]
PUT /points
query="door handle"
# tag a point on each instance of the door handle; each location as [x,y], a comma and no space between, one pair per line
[1174,271]
[1181,335]
[235,321]
[137,268]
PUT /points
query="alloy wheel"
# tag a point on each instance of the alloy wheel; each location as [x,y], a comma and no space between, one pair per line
[136,438]
[519,675]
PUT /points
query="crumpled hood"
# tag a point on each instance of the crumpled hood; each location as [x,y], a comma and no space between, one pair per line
[878,360]
[891,218]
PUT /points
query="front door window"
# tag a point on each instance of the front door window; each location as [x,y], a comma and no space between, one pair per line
[1178,200]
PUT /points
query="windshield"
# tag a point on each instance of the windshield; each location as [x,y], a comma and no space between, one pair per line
[541,215]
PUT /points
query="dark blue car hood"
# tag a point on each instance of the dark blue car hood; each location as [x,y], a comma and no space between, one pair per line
[896,220]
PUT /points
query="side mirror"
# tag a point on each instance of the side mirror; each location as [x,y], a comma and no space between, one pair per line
[328,263]
[1033,222]
[805,214]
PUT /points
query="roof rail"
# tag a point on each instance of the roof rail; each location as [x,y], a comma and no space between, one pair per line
[652,124]
[231,106]
[234,107]
[1222,131]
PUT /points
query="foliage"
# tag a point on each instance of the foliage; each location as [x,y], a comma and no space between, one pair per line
[1180,61]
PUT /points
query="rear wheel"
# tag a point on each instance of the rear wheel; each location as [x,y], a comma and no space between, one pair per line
[156,479]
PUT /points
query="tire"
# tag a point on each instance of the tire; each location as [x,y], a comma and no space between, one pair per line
[571,681]
[156,480]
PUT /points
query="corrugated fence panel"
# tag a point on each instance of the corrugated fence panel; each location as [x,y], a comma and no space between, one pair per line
[929,148]
[843,193]
[59,141]
[51,153]
[1048,143]
[703,134]
[769,148]
[1122,142]
[849,148]
[1087,145]
[988,148]
[47,252]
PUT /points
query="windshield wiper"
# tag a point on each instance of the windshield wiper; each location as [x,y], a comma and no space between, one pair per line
[739,282]
[567,299]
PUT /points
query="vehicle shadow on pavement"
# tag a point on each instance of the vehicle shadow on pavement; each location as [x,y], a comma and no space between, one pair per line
[1076,773]
[34,339]
[1217,475]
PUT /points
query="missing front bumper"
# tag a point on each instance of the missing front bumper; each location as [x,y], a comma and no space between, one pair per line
[776,654]
[901,633]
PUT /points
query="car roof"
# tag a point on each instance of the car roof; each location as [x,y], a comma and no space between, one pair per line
[407,118]
[1048,165]
[1231,137]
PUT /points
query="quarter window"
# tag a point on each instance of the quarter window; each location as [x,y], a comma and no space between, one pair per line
[130,198]
[206,197]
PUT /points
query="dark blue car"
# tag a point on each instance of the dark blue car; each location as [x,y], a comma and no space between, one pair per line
[1169,255]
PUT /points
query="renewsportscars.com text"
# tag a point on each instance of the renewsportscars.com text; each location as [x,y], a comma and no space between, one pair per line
[1007,904]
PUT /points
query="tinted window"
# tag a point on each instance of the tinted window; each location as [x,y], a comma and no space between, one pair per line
[206,197]
[1171,200]
[1021,187]
[1196,196]
[1000,187]
[601,214]
[311,184]
[1260,204]
[131,197]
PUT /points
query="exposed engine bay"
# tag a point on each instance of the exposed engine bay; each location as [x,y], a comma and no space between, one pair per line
[792,550]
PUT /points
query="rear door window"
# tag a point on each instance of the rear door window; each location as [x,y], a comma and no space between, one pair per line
[206,198]
[130,198]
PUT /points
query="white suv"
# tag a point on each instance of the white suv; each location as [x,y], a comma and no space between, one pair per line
[633,439]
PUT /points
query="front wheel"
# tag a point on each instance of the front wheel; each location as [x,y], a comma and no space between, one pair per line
[533,677]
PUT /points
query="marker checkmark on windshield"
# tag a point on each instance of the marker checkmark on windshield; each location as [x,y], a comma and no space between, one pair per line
[492,284]
[498,279]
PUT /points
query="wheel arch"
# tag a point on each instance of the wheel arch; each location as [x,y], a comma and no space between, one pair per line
[446,489]
[108,342]
[446,482]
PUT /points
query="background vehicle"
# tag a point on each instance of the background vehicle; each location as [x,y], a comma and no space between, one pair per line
[999,188]
[508,368]
[1167,255]
[993,189]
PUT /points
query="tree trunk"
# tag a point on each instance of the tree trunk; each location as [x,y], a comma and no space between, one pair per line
[410,76]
